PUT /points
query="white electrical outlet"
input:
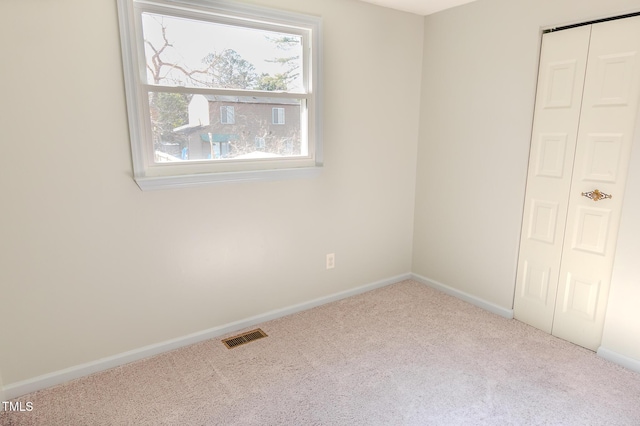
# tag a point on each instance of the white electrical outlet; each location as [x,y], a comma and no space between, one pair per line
[331,261]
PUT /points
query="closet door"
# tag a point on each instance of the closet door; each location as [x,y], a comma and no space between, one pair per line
[555,128]
[607,121]
[577,172]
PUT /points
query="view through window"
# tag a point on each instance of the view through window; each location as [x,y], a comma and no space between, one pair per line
[213,86]
[190,53]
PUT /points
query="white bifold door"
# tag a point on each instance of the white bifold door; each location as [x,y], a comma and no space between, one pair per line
[585,115]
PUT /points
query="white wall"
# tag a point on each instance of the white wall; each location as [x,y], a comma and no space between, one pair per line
[478,93]
[622,326]
[91,267]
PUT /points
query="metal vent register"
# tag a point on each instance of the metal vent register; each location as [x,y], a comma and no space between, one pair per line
[243,338]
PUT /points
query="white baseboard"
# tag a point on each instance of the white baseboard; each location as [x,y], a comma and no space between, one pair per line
[481,303]
[17,389]
[625,361]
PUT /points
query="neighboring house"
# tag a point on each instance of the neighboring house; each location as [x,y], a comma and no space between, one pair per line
[240,127]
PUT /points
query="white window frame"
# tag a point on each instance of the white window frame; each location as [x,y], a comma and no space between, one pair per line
[150,175]
[260,142]
[277,115]
[227,114]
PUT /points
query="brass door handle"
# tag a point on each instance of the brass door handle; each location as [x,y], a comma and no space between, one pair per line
[596,195]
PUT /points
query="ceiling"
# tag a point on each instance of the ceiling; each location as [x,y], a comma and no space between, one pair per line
[420,7]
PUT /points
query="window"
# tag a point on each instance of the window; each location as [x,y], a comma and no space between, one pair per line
[185,60]
[227,115]
[277,116]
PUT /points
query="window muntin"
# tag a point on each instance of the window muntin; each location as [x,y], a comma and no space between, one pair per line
[183,121]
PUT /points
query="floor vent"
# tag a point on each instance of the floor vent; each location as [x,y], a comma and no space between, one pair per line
[243,338]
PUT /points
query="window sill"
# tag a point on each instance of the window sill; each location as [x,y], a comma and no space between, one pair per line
[203,179]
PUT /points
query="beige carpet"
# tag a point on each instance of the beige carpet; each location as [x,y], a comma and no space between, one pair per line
[401,355]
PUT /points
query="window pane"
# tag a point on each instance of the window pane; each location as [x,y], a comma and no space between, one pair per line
[278,116]
[187,52]
[211,127]
[227,115]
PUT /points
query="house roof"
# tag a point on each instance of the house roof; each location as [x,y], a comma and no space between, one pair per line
[188,128]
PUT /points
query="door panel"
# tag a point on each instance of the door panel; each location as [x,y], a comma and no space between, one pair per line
[581,298]
[551,154]
[542,224]
[615,78]
[535,284]
[560,83]
[602,157]
[591,230]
